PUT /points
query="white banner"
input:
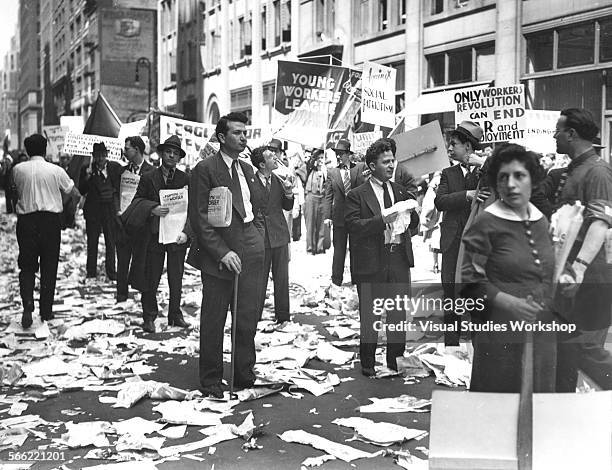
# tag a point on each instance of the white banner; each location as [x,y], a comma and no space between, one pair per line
[540,128]
[127,189]
[499,111]
[173,223]
[82,144]
[362,140]
[378,94]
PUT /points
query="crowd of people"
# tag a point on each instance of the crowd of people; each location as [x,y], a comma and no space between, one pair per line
[491,210]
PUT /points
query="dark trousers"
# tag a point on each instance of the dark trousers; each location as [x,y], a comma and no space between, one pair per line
[154,266]
[38,237]
[277,259]
[315,228]
[395,270]
[296,228]
[449,265]
[340,238]
[124,256]
[93,227]
[216,299]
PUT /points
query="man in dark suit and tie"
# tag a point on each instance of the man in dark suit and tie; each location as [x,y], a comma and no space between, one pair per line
[338,184]
[454,198]
[133,150]
[278,197]
[147,275]
[100,184]
[380,257]
[223,252]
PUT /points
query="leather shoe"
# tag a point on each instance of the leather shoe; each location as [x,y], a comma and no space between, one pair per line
[111,276]
[48,317]
[149,326]
[178,320]
[26,319]
[368,371]
[121,298]
[243,385]
[213,390]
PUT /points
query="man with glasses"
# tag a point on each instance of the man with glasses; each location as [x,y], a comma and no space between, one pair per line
[586,296]
[145,208]
[136,167]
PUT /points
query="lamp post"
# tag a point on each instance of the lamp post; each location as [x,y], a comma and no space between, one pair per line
[144,62]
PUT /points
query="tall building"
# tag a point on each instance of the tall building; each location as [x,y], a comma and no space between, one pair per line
[9,83]
[98,45]
[168,20]
[561,51]
[28,94]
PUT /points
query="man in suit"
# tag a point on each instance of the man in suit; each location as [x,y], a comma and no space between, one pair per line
[100,184]
[454,198]
[337,186]
[278,197]
[313,202]
[221,253]
[133,150]
[379,256]
[147,202]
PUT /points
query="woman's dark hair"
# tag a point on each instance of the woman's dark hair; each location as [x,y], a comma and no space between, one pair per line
[506,153]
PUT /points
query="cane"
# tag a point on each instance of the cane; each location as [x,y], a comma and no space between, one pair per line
[234,315]
[525,417]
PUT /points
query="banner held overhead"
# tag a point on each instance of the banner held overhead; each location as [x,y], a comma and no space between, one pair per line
[378,94]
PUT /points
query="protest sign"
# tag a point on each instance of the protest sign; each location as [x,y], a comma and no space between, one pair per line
[55,136]
[82,144]
[362,140]
[334,136]
[74,124]
[499,111]
[378,94]
[315,99]
[172,224]
[127,189]
[540,128]
[422,150]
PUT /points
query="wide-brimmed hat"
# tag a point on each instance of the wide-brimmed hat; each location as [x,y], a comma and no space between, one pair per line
[98,147]
[172,142]
[472,131]
[275,144]
[343,145]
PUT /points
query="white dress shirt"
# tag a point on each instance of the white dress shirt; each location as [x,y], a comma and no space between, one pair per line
[377,186]
[244,187]
[39,186]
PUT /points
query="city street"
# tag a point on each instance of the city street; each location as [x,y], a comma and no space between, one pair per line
[82,394]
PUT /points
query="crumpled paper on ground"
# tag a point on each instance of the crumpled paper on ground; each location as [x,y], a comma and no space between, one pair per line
[379,433]
[183,412]
[87,433]
[401,404]
[340,451]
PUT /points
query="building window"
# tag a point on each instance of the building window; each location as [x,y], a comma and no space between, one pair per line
[540,51]
[605,41]
[264,29]
[241,101]
[325,18]
[402,12]
[383,15]
[364,17]
[286,21]
[461,66]
[437,6]
[576,45]
[400,77]
[277,23]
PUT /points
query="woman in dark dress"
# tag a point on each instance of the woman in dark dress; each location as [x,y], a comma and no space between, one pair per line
[509,259]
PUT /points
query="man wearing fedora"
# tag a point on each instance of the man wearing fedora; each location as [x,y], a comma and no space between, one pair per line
[454,198]
[339,182]
[142,218]
[100,185]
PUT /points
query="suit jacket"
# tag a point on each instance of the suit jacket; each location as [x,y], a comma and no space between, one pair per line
[405,179]
[95,187]
[451,199]
[144,168]
[357,174]
[210,243]
[365,225]
[277,231]
[334,201]
[148,188]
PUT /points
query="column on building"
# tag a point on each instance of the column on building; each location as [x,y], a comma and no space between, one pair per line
[343,30]
[414,58]
[507,42]
[295,27]
[257,92]
[224,92]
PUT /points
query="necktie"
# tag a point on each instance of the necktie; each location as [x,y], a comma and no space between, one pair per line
[170,176]
[346,180]
[237,191]
[268,184]
[386,196]
[132,168]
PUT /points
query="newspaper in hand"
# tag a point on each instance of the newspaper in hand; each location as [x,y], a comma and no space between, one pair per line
[171,226]
[128,186]
[220,207]
[564,227]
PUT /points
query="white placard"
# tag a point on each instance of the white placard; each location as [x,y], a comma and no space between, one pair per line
[128,186]
[499,111]
[173,223]
[55,139]
[540,128]
[362,140]
[378,94]
[82,144]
